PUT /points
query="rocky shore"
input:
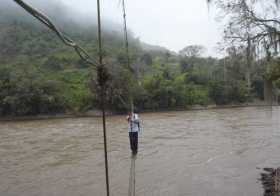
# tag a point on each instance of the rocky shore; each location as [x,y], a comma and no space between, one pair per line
[270,179]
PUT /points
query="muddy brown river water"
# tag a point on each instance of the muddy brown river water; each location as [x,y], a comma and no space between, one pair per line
[193,153]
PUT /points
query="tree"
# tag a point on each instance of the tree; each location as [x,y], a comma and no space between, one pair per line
[189,56]
[192,51]
[147,59]
[255,25]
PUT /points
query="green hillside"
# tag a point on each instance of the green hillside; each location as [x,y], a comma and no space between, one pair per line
[41,75]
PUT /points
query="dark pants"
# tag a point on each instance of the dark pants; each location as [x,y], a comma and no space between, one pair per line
[133,138]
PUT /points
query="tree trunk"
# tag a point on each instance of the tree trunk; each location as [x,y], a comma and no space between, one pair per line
[268,94]
[249,63]
[248,78]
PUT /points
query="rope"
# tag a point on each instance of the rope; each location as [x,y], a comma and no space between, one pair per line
[126,36]
[127,49]
[65,39]
[131,188]
[102,79]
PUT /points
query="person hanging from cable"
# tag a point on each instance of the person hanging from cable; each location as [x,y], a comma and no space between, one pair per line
[134,128]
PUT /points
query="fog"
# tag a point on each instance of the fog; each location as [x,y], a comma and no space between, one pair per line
[64,16]
[171,24]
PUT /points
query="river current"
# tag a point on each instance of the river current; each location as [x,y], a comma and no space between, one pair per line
[191,153]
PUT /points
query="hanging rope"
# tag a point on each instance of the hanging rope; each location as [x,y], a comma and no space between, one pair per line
[131,188]
[126,37]
[102,80]
[132,180]
[65,39]
[127,51]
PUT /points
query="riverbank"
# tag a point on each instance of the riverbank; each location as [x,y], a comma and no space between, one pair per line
[98,113]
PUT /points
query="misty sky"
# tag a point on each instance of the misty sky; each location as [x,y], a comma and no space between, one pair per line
[171,24]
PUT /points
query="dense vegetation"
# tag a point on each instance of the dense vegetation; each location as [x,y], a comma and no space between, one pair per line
[39,75]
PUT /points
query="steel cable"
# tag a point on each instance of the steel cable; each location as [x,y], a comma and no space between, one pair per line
[65,39]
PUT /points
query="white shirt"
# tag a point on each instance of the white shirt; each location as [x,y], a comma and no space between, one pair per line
[134,123]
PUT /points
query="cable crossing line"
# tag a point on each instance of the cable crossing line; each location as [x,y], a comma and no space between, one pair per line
[65,39]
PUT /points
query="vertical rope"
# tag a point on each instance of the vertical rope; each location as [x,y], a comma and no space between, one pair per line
[125,34]
[131,188]
[132,181]
[102,83]
[127,50]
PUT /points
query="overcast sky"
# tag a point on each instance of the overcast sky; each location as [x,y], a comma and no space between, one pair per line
[173,24]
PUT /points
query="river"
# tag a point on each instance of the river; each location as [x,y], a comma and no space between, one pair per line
[192,153]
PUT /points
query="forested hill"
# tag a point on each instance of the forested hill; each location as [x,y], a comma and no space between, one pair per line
[21,34]
[38,74]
